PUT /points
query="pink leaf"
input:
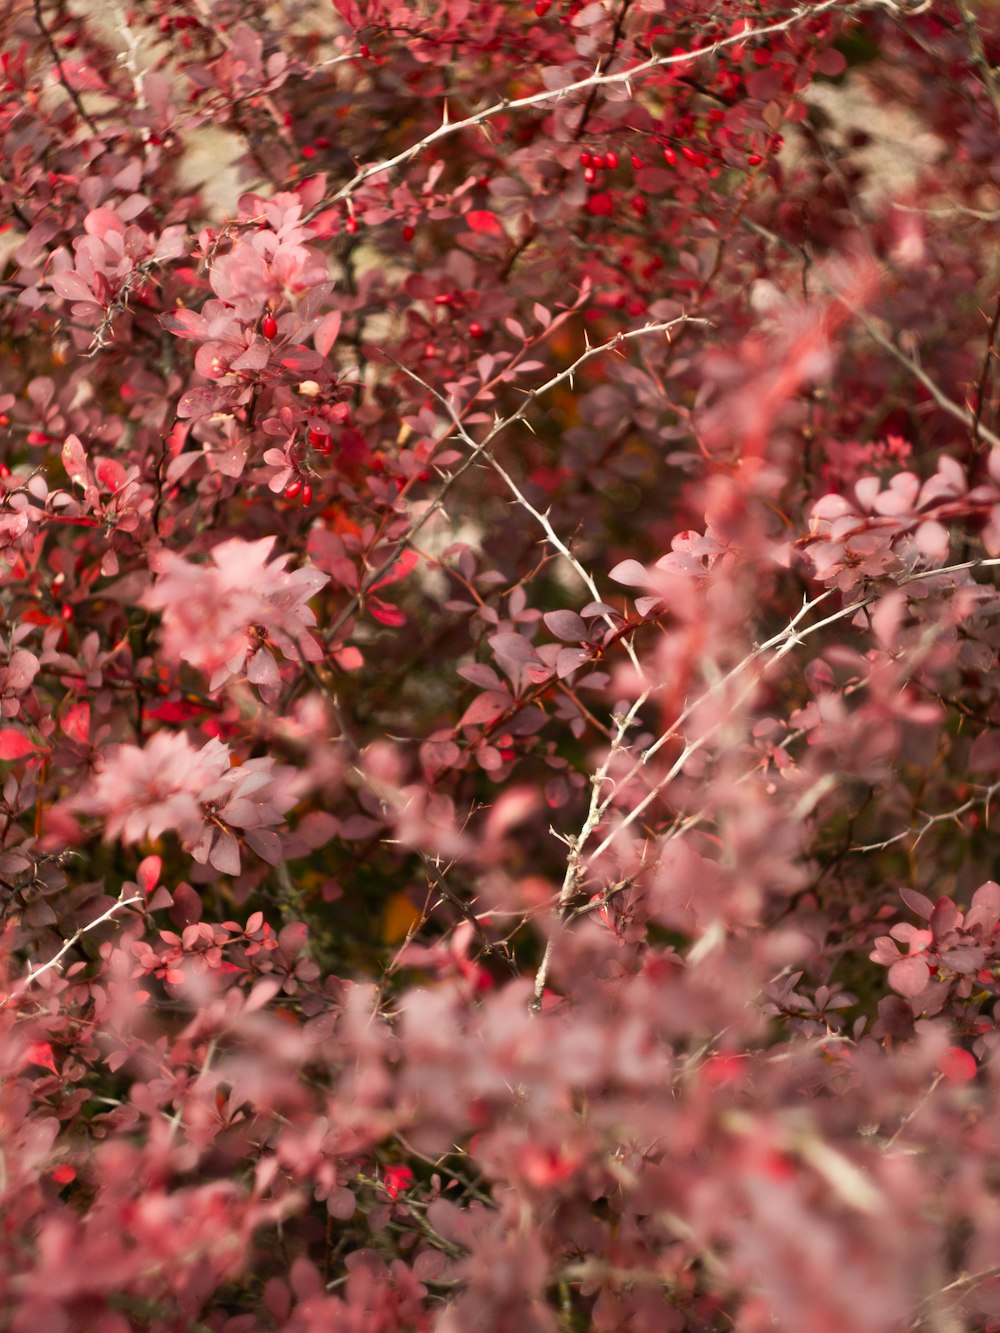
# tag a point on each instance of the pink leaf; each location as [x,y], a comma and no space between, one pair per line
[514,647]
[909,976]
[486,708]
[630,572]
[71,286]
[917,902]
[325,334]
[566,625]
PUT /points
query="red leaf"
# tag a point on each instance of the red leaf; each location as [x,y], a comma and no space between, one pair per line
[76,723]
[385,613]
[14,744]
[484,222]
[40,1053]
[396,1178]
[957,1066]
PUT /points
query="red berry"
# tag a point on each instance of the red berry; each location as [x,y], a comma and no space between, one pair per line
[669,156]
[364,51]
[637,162]
[542,8]
[598,162]
[293,488]
[476,329]
[443,298]
[611,158]
[589,175]
[269,326]
[351,225]
[307,494]
[688,152]
[409,231]
[601,204]
[754,160]
[586,159]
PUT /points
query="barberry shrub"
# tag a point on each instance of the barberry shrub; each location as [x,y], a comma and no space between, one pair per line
[499,519]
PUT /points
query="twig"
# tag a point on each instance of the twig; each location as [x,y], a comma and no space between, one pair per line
[482,447]
[943,817]
[940,397]
[35,972]
[70,90]
[592,81]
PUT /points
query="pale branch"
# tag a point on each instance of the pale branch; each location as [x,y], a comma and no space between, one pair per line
[946,404]
[35,972]
[779,645]
[979,56]
[480,451]
[576,845]
[592,82]
[482,447]
[983,798]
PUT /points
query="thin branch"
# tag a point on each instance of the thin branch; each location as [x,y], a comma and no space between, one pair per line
[70,90]
[35,972]
[943,817]
[481,448]
[479,452]
[780,645]
[591,82]
[574,868]
[940,397]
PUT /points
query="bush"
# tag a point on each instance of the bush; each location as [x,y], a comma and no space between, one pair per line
[500,722]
